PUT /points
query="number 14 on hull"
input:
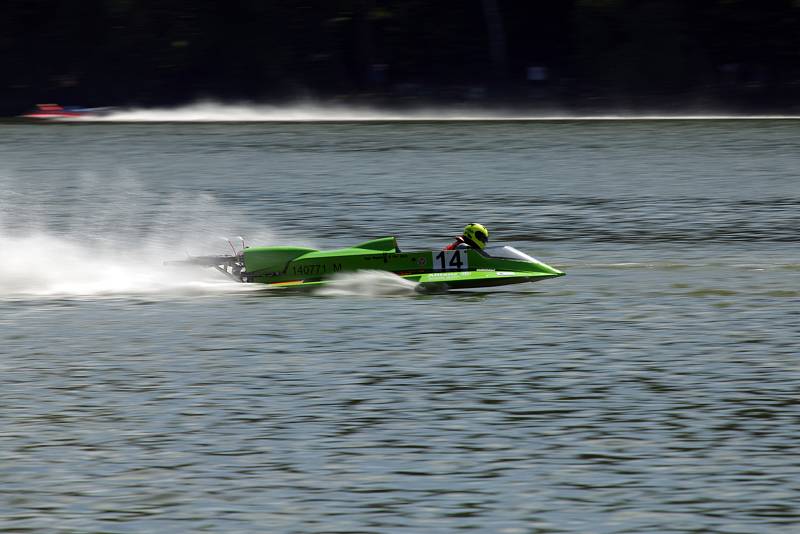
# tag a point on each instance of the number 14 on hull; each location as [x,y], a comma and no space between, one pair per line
[451,260]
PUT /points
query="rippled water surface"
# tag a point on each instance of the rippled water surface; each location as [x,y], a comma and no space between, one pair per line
[652,389]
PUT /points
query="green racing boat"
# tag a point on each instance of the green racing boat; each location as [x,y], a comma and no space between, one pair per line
[462,268]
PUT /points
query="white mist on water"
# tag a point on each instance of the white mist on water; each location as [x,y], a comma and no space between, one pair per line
[368,283]
[303,112]
[110,237]
[43,265]
[319,112]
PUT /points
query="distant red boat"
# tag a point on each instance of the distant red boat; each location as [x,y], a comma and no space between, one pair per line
[56,111]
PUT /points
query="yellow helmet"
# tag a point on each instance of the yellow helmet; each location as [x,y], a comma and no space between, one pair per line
[477,233]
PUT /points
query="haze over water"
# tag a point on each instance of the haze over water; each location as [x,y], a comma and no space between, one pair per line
[652,389]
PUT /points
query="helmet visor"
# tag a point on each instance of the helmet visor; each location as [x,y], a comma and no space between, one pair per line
[481,237]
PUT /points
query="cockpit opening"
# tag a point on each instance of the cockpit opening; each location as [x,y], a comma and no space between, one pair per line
[508,252]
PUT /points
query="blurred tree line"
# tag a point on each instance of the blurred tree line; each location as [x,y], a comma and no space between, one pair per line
[538,52]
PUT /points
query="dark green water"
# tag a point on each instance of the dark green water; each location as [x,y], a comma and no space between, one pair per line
[653,389]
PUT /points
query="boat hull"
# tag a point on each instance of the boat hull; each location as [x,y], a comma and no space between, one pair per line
[464,268]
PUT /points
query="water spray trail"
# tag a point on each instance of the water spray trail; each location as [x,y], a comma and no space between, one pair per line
[109,238]
[316,112]
[44,265]
[368,283]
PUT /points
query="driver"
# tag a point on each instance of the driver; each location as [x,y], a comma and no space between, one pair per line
[475,236]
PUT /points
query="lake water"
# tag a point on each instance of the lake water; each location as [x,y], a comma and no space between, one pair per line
[652,389]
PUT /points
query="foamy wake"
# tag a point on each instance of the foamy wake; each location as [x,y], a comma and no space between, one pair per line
[46,266]
[112,239]
[368,283]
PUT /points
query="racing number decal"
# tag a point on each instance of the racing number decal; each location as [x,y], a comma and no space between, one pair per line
[450,260]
